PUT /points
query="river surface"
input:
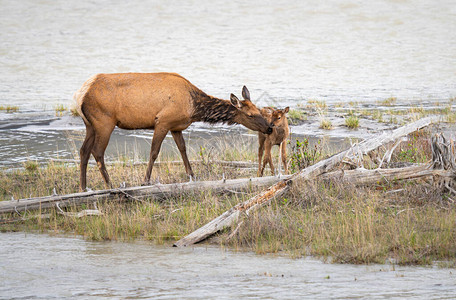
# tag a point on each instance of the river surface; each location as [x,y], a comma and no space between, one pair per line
[288,50]
[40,266]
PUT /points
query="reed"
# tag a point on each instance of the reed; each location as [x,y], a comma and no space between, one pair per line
[9,108]
[325,124]
[59,110]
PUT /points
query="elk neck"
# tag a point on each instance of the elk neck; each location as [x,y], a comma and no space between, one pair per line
[212,110]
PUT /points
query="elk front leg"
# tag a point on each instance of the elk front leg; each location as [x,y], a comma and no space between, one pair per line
[159,136]
[180,142]
[267,157]
[261,139]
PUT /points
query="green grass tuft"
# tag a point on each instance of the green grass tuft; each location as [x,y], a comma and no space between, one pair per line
[352,122]
[9,108]
[325,124]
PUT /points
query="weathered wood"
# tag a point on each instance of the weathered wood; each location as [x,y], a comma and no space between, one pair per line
[356,151]
[231,216]
[154,191]
[224,163]
[365,176]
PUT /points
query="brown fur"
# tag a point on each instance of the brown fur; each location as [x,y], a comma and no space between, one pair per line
[160,101]
[279,135]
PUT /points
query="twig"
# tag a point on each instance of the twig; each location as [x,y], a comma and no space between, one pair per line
[232,234]
[389,153]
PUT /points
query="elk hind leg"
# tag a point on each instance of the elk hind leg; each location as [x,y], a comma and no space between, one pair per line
[84,154]
[284,156]
[101,142]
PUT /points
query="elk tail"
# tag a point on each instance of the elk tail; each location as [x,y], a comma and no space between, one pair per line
[78,97]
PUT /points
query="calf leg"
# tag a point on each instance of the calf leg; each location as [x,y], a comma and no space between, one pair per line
[261,140]
[267,157]
[284,156]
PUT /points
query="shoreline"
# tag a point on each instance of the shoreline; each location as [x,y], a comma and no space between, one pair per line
[42,136]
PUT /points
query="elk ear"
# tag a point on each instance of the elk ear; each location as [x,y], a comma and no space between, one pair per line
[235,101]
[286,109]
[245,93]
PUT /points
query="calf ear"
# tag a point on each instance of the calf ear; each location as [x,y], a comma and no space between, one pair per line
[235,101]
[286,109]
[245,93]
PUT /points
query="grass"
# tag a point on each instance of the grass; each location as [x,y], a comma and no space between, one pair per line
[325,124]
[348,224]
[352,122]
[389,101]
[317,105]
[59,110]
[296,116]
[74,112]
[31,166]
[402,222]
[9,108]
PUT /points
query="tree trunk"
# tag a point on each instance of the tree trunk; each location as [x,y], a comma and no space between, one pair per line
[154,191]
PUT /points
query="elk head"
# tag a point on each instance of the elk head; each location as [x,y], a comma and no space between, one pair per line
[248,114]
[279,118]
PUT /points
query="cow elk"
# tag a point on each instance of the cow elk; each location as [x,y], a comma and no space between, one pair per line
[163,102]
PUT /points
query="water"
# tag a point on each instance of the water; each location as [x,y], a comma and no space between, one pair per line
[45,267]
[330,50]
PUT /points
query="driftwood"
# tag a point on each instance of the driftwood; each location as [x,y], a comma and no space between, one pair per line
[223,163]
[355,152]
[136,193]
[365,176]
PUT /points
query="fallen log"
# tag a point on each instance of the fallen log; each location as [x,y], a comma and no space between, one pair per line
[157,191]
[365,176]
[224,163]
[356,151]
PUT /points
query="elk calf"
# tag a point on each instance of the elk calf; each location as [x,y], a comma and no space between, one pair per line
[279,135]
